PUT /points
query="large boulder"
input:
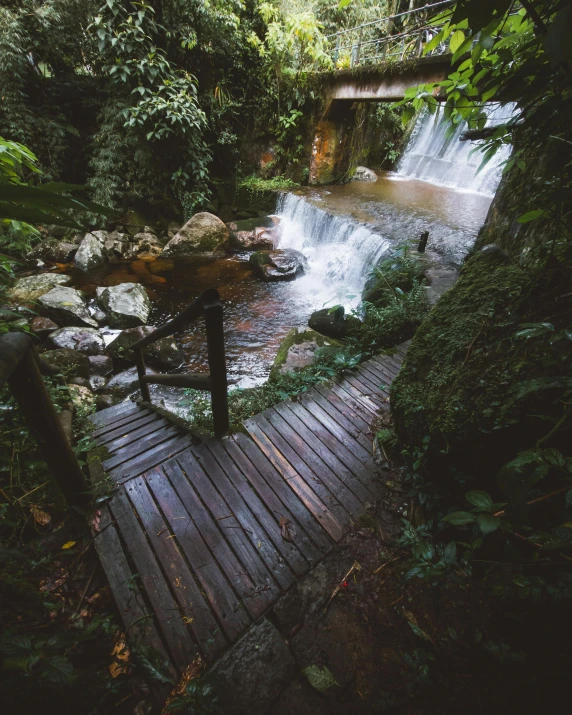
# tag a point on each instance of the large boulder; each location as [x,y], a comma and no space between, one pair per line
[30,288]
[298,350]
[333,322]
[257,239]
[90,253]
[362,173]
[126,305]
[117,246]
[67,307]
[42,327]
[164,353]
[53,250]
[125,382]
[101,365]
[71,363]
[280,265]
[203,235]
[84,340]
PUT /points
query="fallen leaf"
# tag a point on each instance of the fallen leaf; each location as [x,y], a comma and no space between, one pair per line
[96,520]
[415,626]
[319,678]
[120,650]
[118,669]
[68,544]
[40,517]
[287,530]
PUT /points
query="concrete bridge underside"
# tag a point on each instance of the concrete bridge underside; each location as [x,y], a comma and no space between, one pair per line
[345,90]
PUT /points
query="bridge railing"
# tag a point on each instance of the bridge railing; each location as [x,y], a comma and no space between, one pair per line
[389,39]
[207,305]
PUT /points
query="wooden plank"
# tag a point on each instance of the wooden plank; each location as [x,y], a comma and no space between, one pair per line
[152,458]
[269,521]
[355,449]
[130,437]
[123,419]
[136,616]
[380,381]
[347,424]
[318,482]
[378,370]
[346,393]
[300,486]
[247,522]
[287,496]
[371,389]
[340,485]
[160,528]
[393,360]
[320,458]
[110,413]
[139,446]
[345,408]
[387,363]
[268,497]
[121,430]
[220,527]
[356,390]
[167,612]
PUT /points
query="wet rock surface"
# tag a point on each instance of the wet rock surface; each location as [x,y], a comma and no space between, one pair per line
[333,323]
[362,173]
[42,327]
[126,305]
[257,239]
[100,365]
[280,265]
[51,249]
[125,382]
[85,340]
[203,234]
[90,253]
[66,306]
[164,353]
[30,288]
[70,363]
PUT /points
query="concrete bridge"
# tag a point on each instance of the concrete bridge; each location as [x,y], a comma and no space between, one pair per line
[345,90]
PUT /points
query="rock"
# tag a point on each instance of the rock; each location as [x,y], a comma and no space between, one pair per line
[102,402]
[203,235]
[90,253]
[84,340]
[258,239]
[53,250]
[82,381]
[97,383]
[42,327]
[70,362]
[126,305]
[99,316]
[362,173]
[495,254]
[280,265]
[102,236]
[56,231]
[117,249]
[254,671]
[173,229]
[164,353]
[83,399]
[67,307]
[125,382]
[31,288]
[298,350]
[100,365]
[333,323]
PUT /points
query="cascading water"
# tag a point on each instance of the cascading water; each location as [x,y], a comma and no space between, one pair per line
[432,156]
[340,252]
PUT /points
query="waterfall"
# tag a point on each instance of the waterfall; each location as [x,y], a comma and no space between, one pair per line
[431,156]
[340,252]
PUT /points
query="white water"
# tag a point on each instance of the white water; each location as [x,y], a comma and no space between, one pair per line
[431,156]
[340,252]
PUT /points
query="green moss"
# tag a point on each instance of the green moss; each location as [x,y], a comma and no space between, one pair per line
[457,388]
[297,337]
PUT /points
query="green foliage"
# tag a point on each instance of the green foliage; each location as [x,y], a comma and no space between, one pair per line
[200,697]
[319,678]
[482,514]
[255,184]
[430,560]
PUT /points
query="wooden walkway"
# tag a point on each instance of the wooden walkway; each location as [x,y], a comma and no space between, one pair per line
[200,540]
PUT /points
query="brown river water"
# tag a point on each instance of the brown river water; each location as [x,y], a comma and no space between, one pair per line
[343,230]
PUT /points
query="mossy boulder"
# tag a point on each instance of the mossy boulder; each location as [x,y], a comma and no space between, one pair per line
[203,235]
[284,264]
[458,398]
[298,350]
[30,288]
[333,322]
[70,363]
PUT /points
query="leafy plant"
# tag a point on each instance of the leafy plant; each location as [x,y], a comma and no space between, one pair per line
[320,678]
[483,513]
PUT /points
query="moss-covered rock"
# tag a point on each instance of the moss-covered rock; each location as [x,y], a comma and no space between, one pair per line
[459,385]
[297,350]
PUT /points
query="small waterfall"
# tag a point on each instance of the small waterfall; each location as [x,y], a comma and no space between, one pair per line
[431,156]
[340,252]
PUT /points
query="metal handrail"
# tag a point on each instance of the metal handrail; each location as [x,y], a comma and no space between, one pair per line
[209,306]
[22,368]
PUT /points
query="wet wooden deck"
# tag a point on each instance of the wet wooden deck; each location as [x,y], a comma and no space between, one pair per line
[200,540]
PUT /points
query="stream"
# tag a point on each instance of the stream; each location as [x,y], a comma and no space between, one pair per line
[343,231]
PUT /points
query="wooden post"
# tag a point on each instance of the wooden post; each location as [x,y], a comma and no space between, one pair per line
[143,386]
[423,242]
[31,394]
[217,366]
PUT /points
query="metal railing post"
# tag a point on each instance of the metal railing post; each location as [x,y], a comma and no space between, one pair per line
[213,312]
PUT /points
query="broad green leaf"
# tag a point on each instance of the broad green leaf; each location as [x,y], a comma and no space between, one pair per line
[476,497]
[488,523]
[531,215]
[343,4]
[460,518]
[457,39]
[319,678]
